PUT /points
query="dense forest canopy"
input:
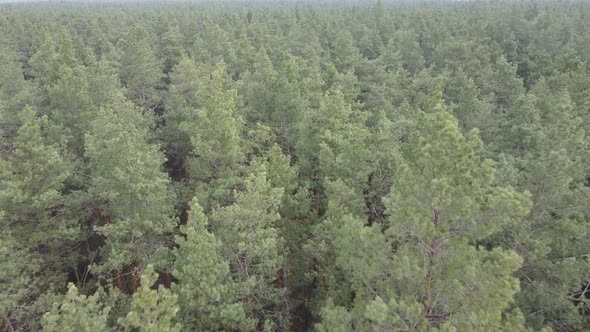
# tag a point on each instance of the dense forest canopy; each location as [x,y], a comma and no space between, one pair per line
[264,166]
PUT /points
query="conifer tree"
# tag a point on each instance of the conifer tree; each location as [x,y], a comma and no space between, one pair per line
[152,310]
[213,128]
[17,279]
[77,313]
[171,50]
[343,51]
[288,125]
[42,62]
[294,211]
[15,94]
[285,93]
[255,250]
[35,227]
[205,115]
[207,296]
[130,187]
[412,56]
[501,83]
[442,203]
[76,98]
[552,163]
[140,69]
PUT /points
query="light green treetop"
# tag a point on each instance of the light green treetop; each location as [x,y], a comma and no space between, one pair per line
[128,181]
[152,310]
[77,313]
[207,296]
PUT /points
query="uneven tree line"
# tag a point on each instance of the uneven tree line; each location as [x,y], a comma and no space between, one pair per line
[292,167]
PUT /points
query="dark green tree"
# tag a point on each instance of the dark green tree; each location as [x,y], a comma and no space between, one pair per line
[36,231]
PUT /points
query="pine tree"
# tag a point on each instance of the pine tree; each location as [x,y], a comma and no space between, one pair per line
[32,176]
[17,279]
[294,211]
[552,165]
[444,199]
[42,62]
[336,149]
[15,94]
[501,83]
[76,98]
[130,187]
[278,95]
[140,70]
[186,80]
[255,250]
[207,296]
[77,313]
[171,50]
[152,310]
[53,56]
[343,51]
[442,203]
[35,226]
[406,42]
[472,110]
[214,130]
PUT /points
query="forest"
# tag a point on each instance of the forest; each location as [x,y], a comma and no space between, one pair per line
[295,166]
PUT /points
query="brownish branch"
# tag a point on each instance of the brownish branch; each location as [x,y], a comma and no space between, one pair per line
[434,249]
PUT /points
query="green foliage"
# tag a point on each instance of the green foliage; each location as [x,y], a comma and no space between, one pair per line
[278,95]
[352,167]
[442,204]
[17,280]
[204,131]
[171,49]
[77,313]
[212,127]
[34,228]
[151,309]
[15,94]
[552,164]
[207,296]
[254,248]
[76,98]
[140,69]
[128,183]
[34,173]
[444,198]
